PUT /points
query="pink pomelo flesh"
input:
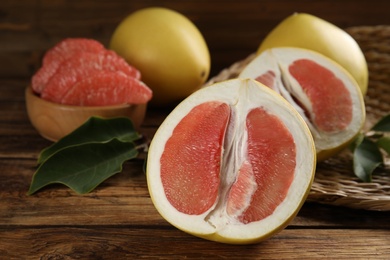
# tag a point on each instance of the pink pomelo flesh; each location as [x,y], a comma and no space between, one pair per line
[268,79]
[107,88]
[330,99]
[271,152]
[331,103]
[55,56]
[191,162]
[81,66]
[191,165]
[66,48]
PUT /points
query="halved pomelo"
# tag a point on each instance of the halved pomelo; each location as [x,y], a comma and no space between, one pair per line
[232,163]
[324,93]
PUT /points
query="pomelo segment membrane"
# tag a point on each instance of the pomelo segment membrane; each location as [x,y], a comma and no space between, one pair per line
[325,94]
[232,163]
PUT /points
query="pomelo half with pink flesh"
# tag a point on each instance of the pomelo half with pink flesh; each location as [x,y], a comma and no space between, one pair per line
[232,163]
[325,94]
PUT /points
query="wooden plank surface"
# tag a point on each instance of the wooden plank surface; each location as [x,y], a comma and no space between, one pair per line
[118,220]
[124,200]
[166,243]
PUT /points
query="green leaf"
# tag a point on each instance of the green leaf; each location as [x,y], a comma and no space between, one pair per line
[366,158]
[383,125]
[94,130]
[384,143]
[83,167]
[358,140]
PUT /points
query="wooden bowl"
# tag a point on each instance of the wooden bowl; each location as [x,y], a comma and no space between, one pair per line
[53,121]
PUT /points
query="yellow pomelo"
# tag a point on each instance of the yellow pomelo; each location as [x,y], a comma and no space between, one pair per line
[232,163]
[168,50]
[323,92]
[310,32]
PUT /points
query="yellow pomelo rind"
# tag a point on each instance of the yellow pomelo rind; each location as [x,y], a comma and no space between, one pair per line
[310,32]
[243,94]
[326,154]
[168,50]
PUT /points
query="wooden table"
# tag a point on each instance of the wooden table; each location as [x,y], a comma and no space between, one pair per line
[118,220]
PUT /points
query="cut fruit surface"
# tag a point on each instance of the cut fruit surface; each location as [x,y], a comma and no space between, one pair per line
[232,163]
[272,155]
[324,93]
[186,188]
[330,99]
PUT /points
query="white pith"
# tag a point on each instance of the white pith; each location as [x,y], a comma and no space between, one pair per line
[242,96]
[278,60]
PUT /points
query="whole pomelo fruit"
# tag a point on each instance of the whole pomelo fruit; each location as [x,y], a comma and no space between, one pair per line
[167,48]
[233,163]
[310,32]
[323,92]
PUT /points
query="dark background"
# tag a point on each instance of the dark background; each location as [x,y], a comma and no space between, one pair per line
[232,29]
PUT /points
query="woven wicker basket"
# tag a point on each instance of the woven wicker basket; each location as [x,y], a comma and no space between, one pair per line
[335,183]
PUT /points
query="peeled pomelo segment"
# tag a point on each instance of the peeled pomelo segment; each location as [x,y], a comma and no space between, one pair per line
[323,93]
[81,66]
[256,179]
[55,56]
[66,47]
[191,161]
[114,62]
[107,88]
[74,69]
[42,76]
